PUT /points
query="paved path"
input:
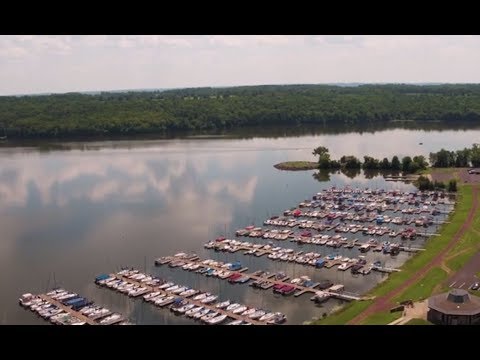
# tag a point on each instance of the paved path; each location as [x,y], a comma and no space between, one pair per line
[383,303]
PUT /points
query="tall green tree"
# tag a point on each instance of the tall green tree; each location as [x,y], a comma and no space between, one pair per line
[475,155]
[406,163]
[396,165]
[385,164]
[323,157]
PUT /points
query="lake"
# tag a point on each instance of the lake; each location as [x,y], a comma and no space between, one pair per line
[73,210]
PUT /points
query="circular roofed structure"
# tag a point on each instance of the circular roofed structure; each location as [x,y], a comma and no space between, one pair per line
[454,308]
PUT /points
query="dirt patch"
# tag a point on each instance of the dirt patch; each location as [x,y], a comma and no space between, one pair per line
[447,174]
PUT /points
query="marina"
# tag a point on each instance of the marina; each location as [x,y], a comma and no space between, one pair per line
[285,254]
[262,279]
[61,307]
[181,299]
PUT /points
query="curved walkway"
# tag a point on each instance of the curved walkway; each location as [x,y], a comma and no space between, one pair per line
[383,303]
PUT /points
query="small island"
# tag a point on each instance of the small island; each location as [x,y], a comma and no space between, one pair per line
[297,165]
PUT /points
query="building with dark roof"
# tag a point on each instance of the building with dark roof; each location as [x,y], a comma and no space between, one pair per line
[456,307]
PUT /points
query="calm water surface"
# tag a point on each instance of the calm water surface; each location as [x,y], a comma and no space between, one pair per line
[69,215]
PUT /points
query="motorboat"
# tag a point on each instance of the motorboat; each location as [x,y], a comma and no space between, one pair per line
[223,304]
[240,309]
[217,320]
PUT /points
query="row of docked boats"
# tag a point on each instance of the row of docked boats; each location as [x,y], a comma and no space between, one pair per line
[379,196]
[270,280]
[76,310]
[338,227]
[310,258]
[195,304]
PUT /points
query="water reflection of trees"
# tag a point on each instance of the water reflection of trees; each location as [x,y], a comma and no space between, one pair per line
[350,173]
[324,175]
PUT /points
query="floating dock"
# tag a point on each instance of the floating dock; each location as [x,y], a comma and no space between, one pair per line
[270,281]
[69,311]
[211,307]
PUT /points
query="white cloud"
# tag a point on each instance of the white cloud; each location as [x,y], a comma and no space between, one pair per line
[45,63]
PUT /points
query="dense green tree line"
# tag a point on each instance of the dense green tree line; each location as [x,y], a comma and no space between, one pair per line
[424,183]
[408,165]
[459,158]
[200,109]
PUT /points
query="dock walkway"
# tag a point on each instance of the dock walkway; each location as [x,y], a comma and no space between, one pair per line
[190,301]
[300,290]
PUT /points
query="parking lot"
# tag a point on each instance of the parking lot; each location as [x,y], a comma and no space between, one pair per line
[466,277]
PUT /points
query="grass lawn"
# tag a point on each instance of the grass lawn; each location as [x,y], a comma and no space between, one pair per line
[346,313]
[458,261]
[418,322]
[414,264]
[382,318]
[424,288]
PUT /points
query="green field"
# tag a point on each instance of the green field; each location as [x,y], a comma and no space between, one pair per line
[382,318]
[424,288]
[345,314]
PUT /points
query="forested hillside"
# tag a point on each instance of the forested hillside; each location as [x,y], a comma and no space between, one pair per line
[125,113]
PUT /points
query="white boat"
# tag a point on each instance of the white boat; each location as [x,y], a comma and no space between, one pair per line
[187,266]
[151,295]
[166,285]
[201,313]
[209,299]
[193,311]
[110,319]
[277,319]
[189,292]
[235,322]
[240,309]
[165,301]
[172,288]
[26,298]
[257,314]
[249,312]
[209,316]
[267,317]
[233,307]
[201,296]
[217,320]
[223,305]
[180,290]
[185,308]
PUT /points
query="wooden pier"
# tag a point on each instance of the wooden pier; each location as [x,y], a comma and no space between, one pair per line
[272,282]
[77,314]
[385,269]
[328,263]
[69,310]
[189,300]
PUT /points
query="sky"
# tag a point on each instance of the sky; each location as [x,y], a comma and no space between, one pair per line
[31,64]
